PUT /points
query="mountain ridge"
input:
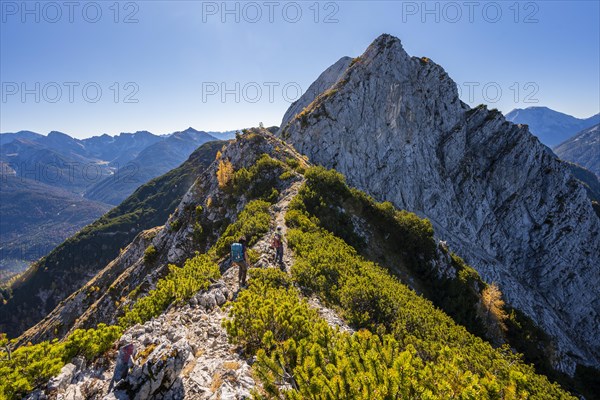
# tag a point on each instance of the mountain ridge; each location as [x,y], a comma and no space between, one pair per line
[71,264]
[550,126]
[394,125]
[255,184]
[582,149]
[103,169]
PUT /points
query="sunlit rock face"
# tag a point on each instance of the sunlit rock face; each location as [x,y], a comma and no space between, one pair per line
[394,125]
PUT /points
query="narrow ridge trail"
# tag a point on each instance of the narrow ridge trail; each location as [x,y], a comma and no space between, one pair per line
[278,211]
[267,259]
[185,352]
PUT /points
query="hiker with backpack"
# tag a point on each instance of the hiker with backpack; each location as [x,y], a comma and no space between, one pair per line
[239,256]
[124,363]
[277,244]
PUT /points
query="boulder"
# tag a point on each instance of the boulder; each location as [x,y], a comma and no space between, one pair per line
[63,379]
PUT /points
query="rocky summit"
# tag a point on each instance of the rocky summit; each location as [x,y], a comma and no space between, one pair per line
[395,127]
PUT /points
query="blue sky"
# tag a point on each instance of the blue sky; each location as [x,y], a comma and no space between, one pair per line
[163,66]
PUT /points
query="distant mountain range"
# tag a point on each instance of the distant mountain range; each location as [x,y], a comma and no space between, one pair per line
[582,149]
[223,135]
[43,174]
[550,126]
[85,166]
[149,163]
[89,250]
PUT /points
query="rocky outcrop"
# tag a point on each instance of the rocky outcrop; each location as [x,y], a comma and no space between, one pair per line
[183,353]
[96,299]
[394,125]
[323,82]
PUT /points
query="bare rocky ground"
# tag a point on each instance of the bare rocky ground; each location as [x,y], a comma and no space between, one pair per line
[185,352]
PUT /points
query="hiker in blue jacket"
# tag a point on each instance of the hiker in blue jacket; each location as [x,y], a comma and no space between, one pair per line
[239,256]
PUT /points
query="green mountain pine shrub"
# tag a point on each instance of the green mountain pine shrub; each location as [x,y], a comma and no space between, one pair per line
[400,239]
[259,181]
[179,285]
[298,356]
[253,222]
[32,365]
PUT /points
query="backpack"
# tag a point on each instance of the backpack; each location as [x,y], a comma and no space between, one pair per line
[277,240]
[126,352]
[237,252]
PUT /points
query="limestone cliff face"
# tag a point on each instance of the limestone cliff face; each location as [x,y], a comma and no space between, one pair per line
[394,125]
[323,82]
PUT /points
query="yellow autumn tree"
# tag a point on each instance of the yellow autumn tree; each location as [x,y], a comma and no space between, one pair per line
[224,173]
[491,312]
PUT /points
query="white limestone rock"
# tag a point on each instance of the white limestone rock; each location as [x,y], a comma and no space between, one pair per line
[394,125]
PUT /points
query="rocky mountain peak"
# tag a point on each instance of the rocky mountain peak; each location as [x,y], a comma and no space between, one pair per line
[57,134]
[386,43]
[395,126]
[404,85]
